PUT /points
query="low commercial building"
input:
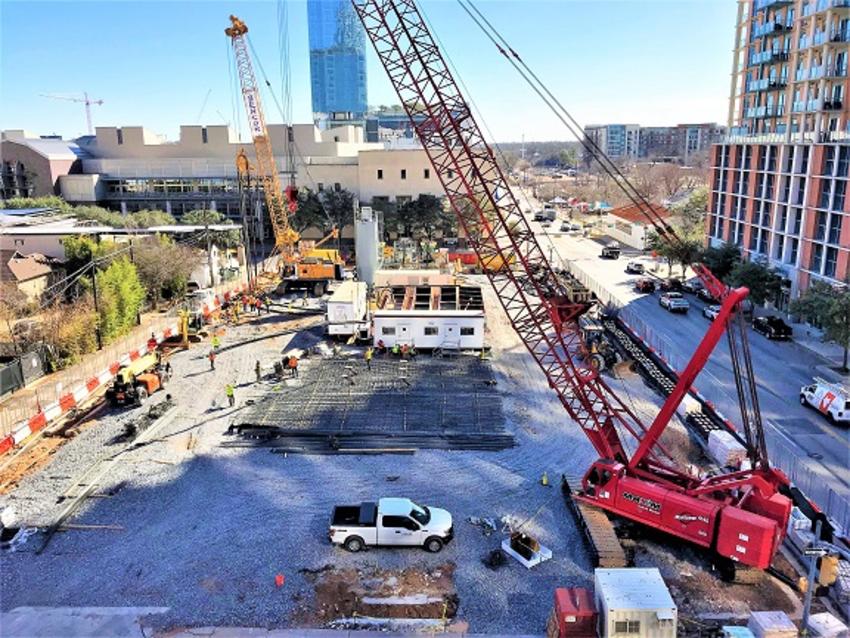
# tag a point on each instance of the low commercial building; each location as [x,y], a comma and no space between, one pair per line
[32,166]
[634,602]
[429,317]
[628,225]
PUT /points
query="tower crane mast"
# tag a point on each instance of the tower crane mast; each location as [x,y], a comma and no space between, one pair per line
[741,516]
[279,202]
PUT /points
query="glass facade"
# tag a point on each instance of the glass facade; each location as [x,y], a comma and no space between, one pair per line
[337,58]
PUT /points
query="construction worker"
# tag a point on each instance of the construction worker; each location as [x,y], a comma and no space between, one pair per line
[368,356]
[231,396]
[152,343]
[404,350]
[293,366]
[267,304]
[216,342]
[211,357]
[396,350]
[258,370]
[382,348]
[258,305]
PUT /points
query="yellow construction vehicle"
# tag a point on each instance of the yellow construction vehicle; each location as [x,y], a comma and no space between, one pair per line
[136,381]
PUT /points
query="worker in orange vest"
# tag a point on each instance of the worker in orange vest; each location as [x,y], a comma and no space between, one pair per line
[211,357]
[293,366]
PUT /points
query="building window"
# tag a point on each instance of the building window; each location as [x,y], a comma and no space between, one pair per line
[820,225]
[804,163]
[431,331]
[427,173]
[204,135]
[834,228]
[320,186]
[120,135]
[817,257]
[838,195]
[828,160]
[792,253]
[467,331]
[404,173]
[387,330]
[825,185]
[336,138]
[843,160]
[831,262]
[627,627]
[337,187]
[380,173]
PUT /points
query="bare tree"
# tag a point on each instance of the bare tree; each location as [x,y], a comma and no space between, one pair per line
[164,266]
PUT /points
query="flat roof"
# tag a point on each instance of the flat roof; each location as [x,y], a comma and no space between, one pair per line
[427,313]
[347,291]
[634,589]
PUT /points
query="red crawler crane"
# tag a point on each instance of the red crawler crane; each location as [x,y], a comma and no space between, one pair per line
[742,516]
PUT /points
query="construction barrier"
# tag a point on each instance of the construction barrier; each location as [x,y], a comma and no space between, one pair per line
[86,381]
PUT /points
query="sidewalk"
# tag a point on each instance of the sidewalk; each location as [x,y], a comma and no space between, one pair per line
[810,338]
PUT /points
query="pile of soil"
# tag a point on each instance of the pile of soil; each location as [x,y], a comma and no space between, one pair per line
[339,594]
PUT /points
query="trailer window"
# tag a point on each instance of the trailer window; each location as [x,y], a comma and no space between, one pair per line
[627,627]
[387,330]
[467,332]
[430,331]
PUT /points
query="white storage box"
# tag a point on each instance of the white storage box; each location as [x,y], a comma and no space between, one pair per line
[771,624]
[725,449]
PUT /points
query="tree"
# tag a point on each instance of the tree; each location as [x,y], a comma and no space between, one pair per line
[48,201]
[69,331]
[762,281]
[722,260]
[339,206]
[424,216]
[828,307]
[663,248]
[149,217]
[164,266]
[80,252]
[310,212]
[568,157]
[120,298]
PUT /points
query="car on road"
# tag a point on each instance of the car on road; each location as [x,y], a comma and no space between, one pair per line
[570,227]
[830,399]
[671,285]
[391,522]
[546,223]
[706,296]
[645,285]
[674,302]
[635,268]
[711,312]
[610,252]
[772,327]
[692,286]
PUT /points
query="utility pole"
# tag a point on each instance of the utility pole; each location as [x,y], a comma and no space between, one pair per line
[97,334]
[209,247]
[813,553]
[133,261]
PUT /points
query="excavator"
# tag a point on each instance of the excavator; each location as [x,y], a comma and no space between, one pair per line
[304,267]
[740,517]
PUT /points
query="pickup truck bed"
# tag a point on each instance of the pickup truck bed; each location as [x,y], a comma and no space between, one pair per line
[363,515]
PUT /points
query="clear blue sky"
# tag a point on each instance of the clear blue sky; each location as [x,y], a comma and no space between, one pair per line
[650,62]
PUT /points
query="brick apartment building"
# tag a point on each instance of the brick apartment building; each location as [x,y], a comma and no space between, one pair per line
[779,181]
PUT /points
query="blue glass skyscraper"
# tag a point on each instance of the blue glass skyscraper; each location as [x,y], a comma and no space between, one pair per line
[337,58]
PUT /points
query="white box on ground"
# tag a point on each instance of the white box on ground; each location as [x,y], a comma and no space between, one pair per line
[544,553]
[825,625]
[725,449]
[731,631]
[689,405]
[634,602]
[346,312]
[771,624]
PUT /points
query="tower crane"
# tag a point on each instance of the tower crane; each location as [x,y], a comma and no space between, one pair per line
[84,100]
[742,516]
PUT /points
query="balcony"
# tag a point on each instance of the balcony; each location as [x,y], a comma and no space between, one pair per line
[816,72]
[832,105]
[839,36]
[823,5]
[769,28]
[757,85]
[798,107]
[771,4]
[836,71]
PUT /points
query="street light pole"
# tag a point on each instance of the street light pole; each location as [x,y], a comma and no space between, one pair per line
[813,560]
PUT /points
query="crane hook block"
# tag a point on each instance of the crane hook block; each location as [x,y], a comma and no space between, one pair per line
[237,27]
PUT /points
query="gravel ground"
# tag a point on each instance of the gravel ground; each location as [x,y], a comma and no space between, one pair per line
[206,529]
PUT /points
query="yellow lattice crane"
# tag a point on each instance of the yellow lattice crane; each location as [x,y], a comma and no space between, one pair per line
[281,203]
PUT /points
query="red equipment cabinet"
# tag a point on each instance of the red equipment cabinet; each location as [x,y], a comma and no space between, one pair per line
[574,615]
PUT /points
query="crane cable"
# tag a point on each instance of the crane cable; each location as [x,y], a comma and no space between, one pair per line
[605,162]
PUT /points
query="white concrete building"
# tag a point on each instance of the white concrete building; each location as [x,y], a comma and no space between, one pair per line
[129,168]
[629,226]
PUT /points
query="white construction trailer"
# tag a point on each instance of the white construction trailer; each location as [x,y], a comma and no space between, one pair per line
[429,329]
[634,602]
[348,311]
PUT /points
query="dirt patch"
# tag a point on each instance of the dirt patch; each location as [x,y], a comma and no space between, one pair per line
[700,594]
[341,594]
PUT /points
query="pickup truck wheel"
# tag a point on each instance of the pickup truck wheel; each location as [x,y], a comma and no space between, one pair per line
[433,545]
[353,544]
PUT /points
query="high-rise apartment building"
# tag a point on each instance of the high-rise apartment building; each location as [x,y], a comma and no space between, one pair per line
[617,141]
[337,62]
[681,143]
[779,181]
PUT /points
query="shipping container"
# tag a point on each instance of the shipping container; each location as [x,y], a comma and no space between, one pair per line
[635,603]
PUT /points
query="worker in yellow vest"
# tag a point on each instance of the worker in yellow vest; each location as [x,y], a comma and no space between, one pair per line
[231,395]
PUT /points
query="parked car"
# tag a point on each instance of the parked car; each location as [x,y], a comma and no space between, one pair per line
[671,285]
[706,296]
[390,522]
[546,223]
[539,216]
[692,286]
[645,285]
[674,302]
[570,227]
[610,252]
[830,399]
[711,312]
[635,268]
[772,327]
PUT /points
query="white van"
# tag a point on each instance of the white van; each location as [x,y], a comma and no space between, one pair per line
[830,399]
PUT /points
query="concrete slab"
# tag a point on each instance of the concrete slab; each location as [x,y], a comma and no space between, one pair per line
[75,622]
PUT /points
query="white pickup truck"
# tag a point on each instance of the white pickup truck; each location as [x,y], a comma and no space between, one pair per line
[390,522]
